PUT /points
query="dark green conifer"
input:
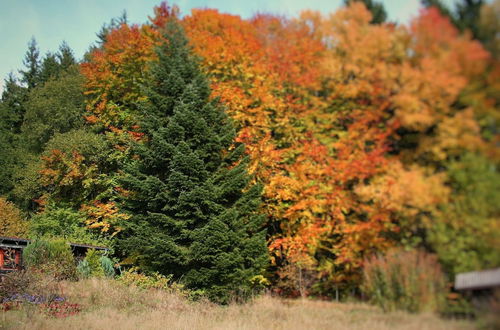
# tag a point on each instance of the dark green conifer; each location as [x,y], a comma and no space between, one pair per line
[65,56]
[31,61]
[193,207]
[11,118]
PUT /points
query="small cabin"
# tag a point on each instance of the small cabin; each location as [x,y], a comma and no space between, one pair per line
[11,251]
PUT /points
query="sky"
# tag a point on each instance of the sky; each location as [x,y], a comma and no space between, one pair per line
[77,21]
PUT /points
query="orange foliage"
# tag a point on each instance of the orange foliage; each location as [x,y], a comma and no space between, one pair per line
[320,102]
[115,73]
[104,216]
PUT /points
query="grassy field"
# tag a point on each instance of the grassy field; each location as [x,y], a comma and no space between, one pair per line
[106,304]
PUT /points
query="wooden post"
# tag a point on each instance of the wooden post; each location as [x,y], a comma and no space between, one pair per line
[18,259]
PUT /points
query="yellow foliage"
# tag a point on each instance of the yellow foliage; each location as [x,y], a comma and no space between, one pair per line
[11,221]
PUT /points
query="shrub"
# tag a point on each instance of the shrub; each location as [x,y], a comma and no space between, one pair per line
[28,287]
[93,258]
[107,266]
[51,257]
[153,280]
[408,280]
[95,265]
[83,269]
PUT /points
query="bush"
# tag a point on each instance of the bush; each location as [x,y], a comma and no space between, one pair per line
[107,267]
[153,280]
[407,280]
[51,257]
[28,287]
[83,269]
[93,257]
[95,265]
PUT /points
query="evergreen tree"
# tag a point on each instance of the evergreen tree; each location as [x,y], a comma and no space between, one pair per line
[65,56]
[53,65]
[193,209]
[12,105]
[31,61]
[11,118]
[49,68]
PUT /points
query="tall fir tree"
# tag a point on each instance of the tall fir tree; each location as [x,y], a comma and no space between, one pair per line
[31,61]
[11,118]
[192,205]
[65,56]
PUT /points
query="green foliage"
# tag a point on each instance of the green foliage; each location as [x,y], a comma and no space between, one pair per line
[93,258]
[489,28]
[31,75]
[95,264]
[26,175]
[63,222]
[83,269]
[153,280]
[91,145]
[107,266]
[52,257]
[55,64]
[192,207]
[54,107]
[407,280]
[466,235]
[72,181]
[11,118]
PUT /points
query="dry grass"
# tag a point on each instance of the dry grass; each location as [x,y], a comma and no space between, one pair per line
[109,305]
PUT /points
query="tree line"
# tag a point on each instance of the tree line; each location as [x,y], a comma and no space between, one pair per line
[226,151]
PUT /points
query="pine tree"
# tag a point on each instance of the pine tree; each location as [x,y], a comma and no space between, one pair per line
[53,65]
[12,111]
[49,68]
[65,56]
[31,61]
[194,210]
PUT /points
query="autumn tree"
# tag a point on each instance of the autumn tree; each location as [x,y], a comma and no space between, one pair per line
[379,14]
[11,221]
[465,16]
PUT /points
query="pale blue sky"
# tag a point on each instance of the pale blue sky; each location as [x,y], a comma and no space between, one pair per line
[77,21]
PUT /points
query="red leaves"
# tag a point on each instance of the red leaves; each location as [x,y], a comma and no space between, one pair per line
[319,102]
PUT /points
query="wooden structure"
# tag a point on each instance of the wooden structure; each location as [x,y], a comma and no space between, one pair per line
[11,251]
[480,280]
[480,287]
